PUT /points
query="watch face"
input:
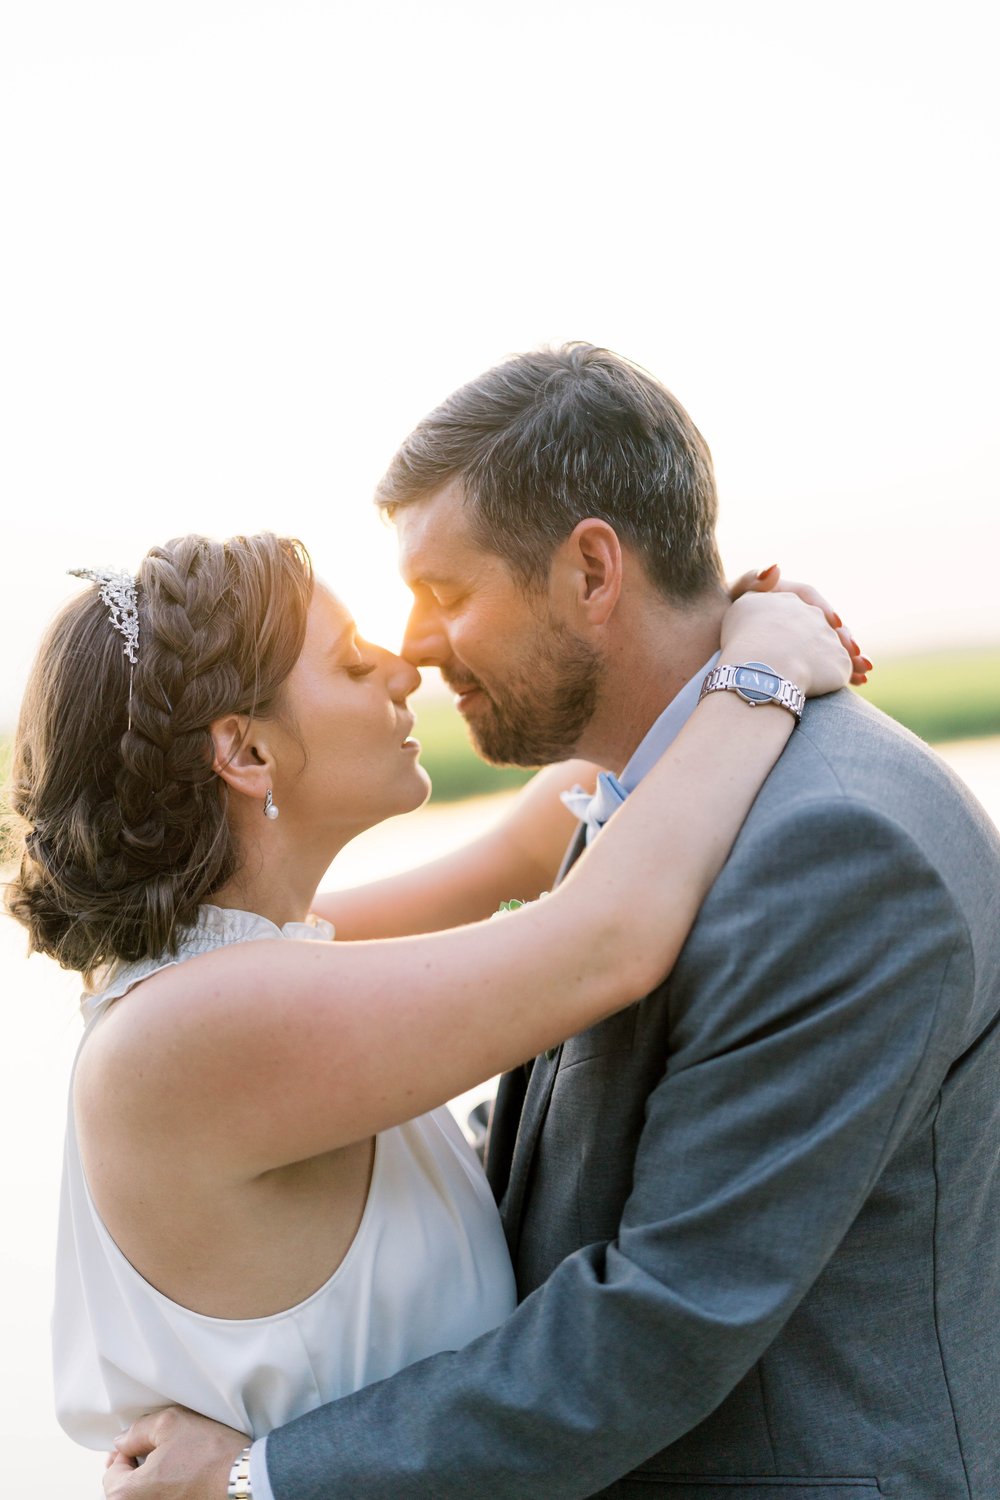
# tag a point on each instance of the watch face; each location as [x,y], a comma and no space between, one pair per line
[756,683]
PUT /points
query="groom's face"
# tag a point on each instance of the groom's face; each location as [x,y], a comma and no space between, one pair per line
[525,681]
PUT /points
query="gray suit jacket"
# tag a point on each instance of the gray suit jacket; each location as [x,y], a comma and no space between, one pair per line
[755,1217]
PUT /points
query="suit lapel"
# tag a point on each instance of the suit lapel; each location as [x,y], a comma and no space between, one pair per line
[502,1132]
[519,1113]
[536,1103]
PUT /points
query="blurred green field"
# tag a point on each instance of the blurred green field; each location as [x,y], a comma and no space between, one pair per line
[946,695]
[949,695]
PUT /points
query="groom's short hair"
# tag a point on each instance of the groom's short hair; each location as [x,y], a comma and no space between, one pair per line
[546,439]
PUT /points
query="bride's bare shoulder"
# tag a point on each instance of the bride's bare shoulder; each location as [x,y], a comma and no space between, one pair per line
[146,1032]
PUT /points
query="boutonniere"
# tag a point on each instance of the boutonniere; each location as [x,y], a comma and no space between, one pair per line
[515,905]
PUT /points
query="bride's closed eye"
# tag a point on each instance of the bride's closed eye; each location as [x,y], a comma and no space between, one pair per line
[359,666]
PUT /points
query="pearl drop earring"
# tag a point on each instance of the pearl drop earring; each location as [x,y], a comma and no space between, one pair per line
[270,811]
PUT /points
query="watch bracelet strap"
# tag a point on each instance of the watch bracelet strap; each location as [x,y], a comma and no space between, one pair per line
[788,695]
[239,1487]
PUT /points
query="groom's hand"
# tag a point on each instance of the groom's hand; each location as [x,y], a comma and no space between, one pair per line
[186,1457]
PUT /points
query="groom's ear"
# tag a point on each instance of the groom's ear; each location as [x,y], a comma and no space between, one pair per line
[587,570]
[242,758]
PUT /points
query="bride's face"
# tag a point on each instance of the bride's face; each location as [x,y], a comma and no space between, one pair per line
[344,756]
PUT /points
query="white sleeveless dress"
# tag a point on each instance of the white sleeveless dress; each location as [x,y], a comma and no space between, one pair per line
[428,1270]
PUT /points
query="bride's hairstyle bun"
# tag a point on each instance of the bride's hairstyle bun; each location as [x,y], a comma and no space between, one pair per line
[122,831]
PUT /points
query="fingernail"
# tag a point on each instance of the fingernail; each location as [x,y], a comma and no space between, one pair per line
[766,572]
[863,679]
[838,623]
[865,664]
[855,648]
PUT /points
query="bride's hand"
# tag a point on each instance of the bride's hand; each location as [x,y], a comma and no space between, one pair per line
[790,636]
[770,580]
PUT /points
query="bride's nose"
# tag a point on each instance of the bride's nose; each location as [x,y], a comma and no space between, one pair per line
[402,677]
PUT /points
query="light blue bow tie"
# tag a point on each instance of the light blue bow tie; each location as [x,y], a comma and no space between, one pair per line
[595,810]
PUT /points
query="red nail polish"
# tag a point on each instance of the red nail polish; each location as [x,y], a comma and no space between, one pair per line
[865,664]
[838,623]
[855,648]
[767,572]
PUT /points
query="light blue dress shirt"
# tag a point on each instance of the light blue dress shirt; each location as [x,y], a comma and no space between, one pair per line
[611,791]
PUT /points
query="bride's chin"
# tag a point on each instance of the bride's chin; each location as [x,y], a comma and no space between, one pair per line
[406,798]
[421,792]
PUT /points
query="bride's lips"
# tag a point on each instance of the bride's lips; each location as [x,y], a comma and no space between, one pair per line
[408,742]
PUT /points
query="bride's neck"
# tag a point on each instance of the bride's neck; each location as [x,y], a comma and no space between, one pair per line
[274,880]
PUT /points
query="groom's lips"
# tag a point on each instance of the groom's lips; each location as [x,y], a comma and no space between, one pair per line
[464,696]
[463,690]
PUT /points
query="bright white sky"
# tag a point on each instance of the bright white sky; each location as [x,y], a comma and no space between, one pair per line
[246,244]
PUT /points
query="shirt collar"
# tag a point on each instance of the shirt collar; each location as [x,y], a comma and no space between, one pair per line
[666,728]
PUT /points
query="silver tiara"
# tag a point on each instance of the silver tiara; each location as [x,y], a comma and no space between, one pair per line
[118,591]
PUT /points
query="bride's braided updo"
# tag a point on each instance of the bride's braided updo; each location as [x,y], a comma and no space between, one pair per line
[123,831]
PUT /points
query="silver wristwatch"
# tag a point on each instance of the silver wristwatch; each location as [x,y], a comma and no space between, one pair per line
[240,1487]
[756,683]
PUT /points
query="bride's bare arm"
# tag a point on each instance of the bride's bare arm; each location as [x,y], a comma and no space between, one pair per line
[519,856]
[268,1053]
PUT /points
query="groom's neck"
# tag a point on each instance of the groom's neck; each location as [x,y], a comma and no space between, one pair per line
[654,651]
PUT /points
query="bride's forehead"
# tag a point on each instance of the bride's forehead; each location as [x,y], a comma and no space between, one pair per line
[327,612]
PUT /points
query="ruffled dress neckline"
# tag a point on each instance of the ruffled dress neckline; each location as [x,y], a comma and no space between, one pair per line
[215,927]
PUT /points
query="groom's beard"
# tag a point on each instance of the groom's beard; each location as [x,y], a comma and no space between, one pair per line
[538,714]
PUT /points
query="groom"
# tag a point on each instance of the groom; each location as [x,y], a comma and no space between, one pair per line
[755,1218]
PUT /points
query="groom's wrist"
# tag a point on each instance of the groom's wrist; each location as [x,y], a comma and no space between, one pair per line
[260,1480]
[240,1486]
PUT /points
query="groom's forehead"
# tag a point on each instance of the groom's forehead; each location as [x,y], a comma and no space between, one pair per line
[433,537]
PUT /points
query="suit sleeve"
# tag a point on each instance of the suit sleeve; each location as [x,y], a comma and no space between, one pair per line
[822,1023]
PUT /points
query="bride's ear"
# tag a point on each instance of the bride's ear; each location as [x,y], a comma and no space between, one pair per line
[241,756]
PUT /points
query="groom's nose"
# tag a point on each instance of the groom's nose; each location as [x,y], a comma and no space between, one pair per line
[425,639]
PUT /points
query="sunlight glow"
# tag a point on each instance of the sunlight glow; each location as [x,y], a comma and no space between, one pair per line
[250,244]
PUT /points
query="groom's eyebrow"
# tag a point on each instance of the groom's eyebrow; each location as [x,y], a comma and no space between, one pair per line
[429,580]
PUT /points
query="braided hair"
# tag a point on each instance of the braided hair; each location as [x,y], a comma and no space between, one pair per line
[122,831]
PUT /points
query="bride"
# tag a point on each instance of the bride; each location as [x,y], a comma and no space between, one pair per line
[265,1204]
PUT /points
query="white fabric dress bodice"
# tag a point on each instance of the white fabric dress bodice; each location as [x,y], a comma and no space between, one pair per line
[428,1270]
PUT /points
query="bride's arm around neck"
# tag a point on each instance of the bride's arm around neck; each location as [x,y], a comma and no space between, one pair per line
[518,856]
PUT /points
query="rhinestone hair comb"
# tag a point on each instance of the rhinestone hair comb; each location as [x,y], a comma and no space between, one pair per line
[118,591]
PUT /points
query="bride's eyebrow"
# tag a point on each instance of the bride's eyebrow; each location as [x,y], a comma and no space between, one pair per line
[342,639]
